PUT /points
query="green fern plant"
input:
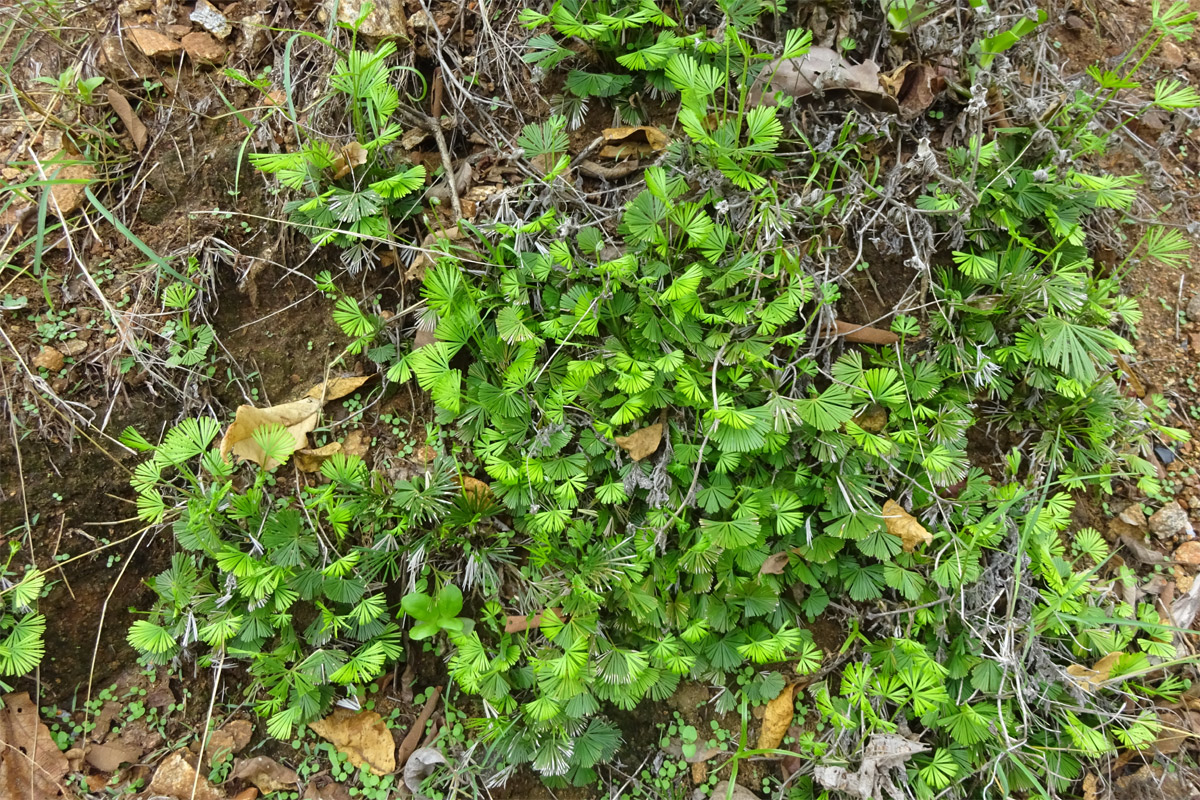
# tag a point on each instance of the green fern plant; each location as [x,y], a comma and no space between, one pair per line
[354,196]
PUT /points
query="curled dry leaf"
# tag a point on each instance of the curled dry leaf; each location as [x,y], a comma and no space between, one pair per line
[775,564]
[413,738]
[820,70]
[1179,727]
[777,718]
[1141,552]
[1092,678]
[361,736]
[883,753]
[914,86]
[642,442]
[630,141]
[299,418]
[419,766]
[129,118]
[335,388]
[900,523]
[267,774]
[517,623]
[311,459]
[619,170]
[863,334]
[351,156]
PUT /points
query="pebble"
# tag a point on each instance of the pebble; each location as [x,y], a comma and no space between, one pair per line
[1170,521]
[1187,553]
[1133,515]
[1172,56]
[1193,308]
[49,359]
[1165,455]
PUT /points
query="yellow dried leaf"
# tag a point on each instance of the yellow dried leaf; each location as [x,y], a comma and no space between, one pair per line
[642,442]
[873,418]
[900,523]
[775,564]
[628,140]
[1090,678]
[1091,787]
[357,443]
[476,491]
[310,460]
[299,418]
[334,388]
[777,718]
[362,736]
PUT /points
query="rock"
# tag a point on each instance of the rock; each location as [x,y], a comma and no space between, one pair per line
[1172,56]
[240,730]
[154,44]
[175,777]
[1133,515]
[203,48]
[130,8]
[386,20]
[1165,454]
[1194,342]
[1169,521]
[208,17]
[1076,23]
[72,347]
[49,359]
[1193,308]
[1187,553]
[120,63]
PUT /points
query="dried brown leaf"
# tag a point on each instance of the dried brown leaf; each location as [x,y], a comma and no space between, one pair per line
[630,141]
[1092,678]
[873,418]
[110,757]
[412,739]
[900,523]
[335,388]
[822,70]
[31,765]
[323,787]
[361,736]
[299,418]
[311,459]
[267,774]
[775,564]
[863,334]
[129,118]
[777,718]
[641,442]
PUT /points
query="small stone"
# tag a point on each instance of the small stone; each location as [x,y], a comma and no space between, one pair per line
[208,17]
[178,31]
[203,48]
[1183,585]
[72,347]
[1075,22]
[1194,343]
[49,359]
[240,730]
[1170,521]
[176,778]
[1133,515]
[1172,56]
[381,23]
[154,44]
[1187,553]
[1165,454]
[130,8]
[1193,308]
